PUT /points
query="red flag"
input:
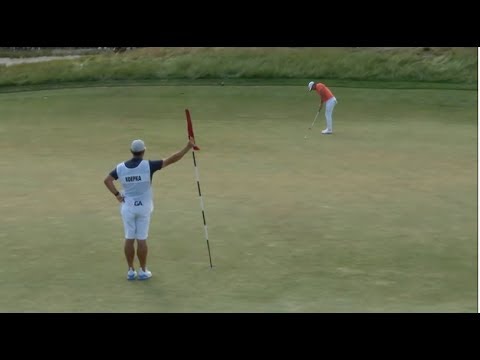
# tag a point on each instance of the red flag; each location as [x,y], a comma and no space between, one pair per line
[190,128]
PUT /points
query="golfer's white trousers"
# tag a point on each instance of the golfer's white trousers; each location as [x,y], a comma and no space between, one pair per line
[329,105]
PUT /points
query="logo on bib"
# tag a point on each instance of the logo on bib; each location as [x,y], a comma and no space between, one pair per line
[137,203]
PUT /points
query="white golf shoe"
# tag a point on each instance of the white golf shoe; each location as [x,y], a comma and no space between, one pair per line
[327,132]
[131,274]
[144,275]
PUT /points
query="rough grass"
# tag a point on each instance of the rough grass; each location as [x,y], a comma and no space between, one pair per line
[448,65]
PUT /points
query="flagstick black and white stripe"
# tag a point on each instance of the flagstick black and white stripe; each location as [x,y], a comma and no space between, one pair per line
[202,206]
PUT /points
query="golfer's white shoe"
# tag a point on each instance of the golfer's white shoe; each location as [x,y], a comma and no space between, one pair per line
[327,132]
[144,275]
[131,274]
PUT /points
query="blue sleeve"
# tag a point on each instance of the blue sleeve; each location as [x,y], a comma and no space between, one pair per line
[155,165]
[114,174]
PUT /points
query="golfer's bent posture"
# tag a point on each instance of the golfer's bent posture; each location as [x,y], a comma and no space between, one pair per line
[330,101]
[135,176]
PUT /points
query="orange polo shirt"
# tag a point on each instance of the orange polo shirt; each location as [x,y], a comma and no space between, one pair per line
[323,91]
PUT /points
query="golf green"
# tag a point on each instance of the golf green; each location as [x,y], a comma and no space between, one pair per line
[381,216]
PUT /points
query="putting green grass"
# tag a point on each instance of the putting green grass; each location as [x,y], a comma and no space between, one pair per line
[379,217]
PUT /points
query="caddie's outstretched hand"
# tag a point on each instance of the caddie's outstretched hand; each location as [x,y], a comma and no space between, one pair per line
[191,142]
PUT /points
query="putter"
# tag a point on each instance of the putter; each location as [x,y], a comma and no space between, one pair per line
[311,126]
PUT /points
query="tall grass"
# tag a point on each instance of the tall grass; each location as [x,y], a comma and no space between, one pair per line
[444,65]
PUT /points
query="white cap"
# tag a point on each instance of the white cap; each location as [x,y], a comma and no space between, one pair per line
[310,85]
[137,146]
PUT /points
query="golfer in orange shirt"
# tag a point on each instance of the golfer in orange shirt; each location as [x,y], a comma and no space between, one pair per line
[330,101]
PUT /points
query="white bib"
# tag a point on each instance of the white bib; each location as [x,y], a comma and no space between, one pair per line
[136,185]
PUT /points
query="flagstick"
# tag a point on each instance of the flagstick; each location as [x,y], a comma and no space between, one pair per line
[202,206]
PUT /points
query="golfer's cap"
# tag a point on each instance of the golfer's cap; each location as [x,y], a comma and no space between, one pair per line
[310,85]
[138,146]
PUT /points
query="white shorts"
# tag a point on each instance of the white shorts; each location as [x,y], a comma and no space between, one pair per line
[136,222]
